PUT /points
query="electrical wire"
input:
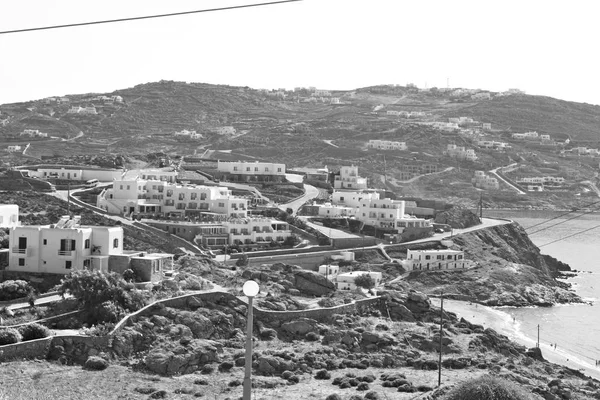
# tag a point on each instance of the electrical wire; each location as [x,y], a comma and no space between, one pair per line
[109,21]
[566,237]
[562,215]
[561,222]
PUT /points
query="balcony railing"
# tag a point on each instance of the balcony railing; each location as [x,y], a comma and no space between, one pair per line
[65,252]
[18,250]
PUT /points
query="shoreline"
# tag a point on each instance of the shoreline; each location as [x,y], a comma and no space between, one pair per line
[504,324]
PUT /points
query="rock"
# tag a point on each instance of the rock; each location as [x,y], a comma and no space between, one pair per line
[312,283]
[272,365]
[300,326]
[174,358]
[95,363]
[535,353]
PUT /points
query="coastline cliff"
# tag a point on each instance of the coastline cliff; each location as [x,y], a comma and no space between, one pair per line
[509,271]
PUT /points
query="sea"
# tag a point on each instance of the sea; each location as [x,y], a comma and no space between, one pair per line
[568,332]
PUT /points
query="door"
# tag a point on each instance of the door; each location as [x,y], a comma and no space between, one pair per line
[22,243]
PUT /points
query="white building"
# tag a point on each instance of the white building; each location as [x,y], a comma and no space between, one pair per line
[329,271]
[486,126]
[14,148]
[435,259]
[349,179]
[526,135]
[461,152]
[9,215]
[33,133]
[386,145]
[491,144]
[345,281]
[75,173]
[321,93]
[63,247]
[246,170]
[159,197]
[244,231]
[190,134]
[353,198]
[483,181]
[225,130]
[82,110]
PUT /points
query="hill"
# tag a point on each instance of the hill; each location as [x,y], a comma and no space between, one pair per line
[332,129]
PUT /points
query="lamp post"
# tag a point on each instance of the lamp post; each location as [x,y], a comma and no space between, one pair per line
[250,289]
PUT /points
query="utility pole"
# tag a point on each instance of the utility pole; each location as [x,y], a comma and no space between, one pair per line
[480,206]
[538,341]
[69,198]
[441,331]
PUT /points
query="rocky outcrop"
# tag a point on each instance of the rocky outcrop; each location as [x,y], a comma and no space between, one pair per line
[457,218]
[177,358]
[312,283]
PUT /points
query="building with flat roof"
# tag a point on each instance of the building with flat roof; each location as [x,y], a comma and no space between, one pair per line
[242,171]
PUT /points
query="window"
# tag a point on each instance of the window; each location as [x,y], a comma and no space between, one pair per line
[181,196]
[68,264]
[202,196]
[86,243]
[45,242]
[278,169]
[67,245]
[21,261]
[193,196]
[235,168]
[255,169]
[121,187]
[115,243]
[266,169]
[342,198]
[128,187]
[449,257]
[248,169]
[427,257]
[221,204]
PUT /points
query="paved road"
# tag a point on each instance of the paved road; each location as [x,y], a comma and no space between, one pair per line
[310,192]
[495,173]
[332,233]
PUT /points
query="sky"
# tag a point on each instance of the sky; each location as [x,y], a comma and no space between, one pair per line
[542,47]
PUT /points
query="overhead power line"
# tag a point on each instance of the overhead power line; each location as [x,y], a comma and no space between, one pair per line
[110,21]
[561,222]
[566,237]
[562,215]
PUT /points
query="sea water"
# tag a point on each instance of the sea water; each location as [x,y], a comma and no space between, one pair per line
[569,331]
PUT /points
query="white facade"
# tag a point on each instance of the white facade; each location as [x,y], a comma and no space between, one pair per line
[386,145]
[33,133]
[190,134]
[526,135]
[435,259]
[483,181]
[251,168]
[349,179]
[329,271]
[256,230]
[63,247]
[345,281]
[353,198]
[225,130]
[157,197]
[461,152]
[12,149]
[103,175]
[9,215]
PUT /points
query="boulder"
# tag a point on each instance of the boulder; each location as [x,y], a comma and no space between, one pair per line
[300,326]
[312,283]
[175,359]
[272,365]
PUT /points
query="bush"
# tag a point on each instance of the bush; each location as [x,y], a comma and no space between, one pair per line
[364,281]
[323,374]
[363,386]
[10,290]
[372,395]
[9,336]
[287,374]
[326,302]
[334,396]
[311,336]
[95,363]
[488,387]
[34,331]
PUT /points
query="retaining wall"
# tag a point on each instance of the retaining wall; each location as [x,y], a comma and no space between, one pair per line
[26,350]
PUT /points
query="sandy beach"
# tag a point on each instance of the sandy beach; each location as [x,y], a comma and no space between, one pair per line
[503,323]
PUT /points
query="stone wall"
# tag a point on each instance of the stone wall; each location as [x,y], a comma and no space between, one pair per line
[25,350]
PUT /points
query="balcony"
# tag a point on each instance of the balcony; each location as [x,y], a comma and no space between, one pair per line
[26,251]
[66,252]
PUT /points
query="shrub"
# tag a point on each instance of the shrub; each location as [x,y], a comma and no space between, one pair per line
[10,290]
[294,379]
[286,374]
[34,331]
[234,383]
[363,386]
[225,366]
[326,302]
[323,374]
[334,396]
[364,281]
[488,387]
[96,363]
[9,336]
[372,395]
[201,382]
[312,336]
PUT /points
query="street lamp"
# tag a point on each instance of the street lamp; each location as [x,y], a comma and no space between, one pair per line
[250,289]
